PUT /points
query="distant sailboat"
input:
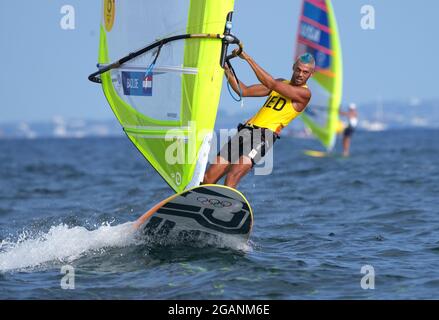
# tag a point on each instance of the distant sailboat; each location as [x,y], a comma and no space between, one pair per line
[378,123]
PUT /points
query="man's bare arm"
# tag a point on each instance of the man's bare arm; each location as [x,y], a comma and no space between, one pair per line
[299,95]
[257,90]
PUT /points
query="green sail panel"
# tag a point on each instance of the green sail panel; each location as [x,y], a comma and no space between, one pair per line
[167,109]
[318,35]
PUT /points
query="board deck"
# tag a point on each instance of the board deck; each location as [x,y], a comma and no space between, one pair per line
[321,154]
[316,154]
[201,213]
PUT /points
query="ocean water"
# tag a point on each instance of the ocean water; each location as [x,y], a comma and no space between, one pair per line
[318,222]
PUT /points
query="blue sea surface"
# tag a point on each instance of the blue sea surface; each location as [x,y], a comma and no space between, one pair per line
[318,224]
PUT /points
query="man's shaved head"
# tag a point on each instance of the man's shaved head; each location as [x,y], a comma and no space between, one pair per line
[306,58]
[303,68]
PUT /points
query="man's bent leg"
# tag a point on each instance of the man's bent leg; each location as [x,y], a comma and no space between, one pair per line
[346,146]
[237,171]
[216,171]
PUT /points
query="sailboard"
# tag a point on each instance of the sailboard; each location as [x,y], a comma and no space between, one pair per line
[160,65]
[318,34]
[316,154]
[323,154]
[207,213]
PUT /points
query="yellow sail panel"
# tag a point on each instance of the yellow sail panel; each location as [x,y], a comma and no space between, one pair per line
[167,98]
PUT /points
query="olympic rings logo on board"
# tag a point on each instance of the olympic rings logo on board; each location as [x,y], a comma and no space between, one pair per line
[214,202]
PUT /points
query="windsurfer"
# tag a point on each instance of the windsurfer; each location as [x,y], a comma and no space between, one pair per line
[286,101]
[352,116]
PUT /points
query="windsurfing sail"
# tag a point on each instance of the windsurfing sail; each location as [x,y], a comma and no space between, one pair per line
[318,35]
[166,89]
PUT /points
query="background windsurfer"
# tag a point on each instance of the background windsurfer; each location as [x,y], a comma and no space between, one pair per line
[352,116]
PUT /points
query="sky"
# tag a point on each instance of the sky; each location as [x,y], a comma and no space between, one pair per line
[44,68]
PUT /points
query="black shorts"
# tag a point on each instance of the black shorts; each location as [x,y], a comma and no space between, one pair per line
[349,131]
[250,141]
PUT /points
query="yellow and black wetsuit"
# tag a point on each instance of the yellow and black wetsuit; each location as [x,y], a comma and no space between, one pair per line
[259,133]
[277,112]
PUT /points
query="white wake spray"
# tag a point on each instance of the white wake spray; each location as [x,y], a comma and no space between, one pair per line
[63,244]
